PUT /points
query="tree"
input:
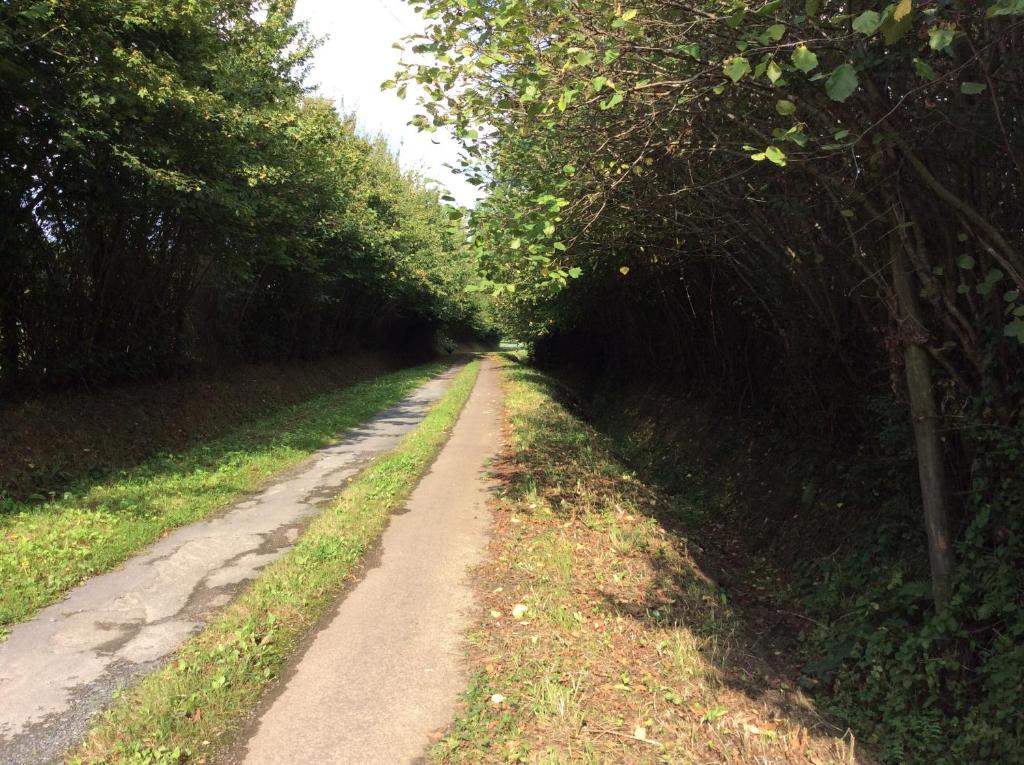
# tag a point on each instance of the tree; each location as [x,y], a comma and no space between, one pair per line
[172,194]
[787,150]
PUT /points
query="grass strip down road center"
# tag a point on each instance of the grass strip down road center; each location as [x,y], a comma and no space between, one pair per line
[188,709]
[49,546]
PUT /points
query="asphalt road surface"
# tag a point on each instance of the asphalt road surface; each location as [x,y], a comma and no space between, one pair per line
[385,670]
[59,668]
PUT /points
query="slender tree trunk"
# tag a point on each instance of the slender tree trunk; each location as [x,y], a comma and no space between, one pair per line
[934,495]
[10,288]
[11,352]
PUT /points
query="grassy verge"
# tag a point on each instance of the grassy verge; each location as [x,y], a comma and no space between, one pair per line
[184,711]
[822,542]
[601,639]
[47,547]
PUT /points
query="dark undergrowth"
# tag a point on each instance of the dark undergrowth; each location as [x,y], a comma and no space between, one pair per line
[824,548]
[600,638]
[54,438]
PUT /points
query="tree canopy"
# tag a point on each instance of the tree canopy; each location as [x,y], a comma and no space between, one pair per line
[172,191]
[794,204]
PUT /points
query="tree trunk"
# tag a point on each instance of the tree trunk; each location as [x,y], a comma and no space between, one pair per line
[10,343]
[934,496]
[9,366]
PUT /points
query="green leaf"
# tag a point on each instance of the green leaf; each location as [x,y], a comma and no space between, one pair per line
[811,7]
[924,69]
[785,107]
[893,30]
[842,82]
[736,19]
[773,33]
[615,100]
[972,88]
[773,72]
[629,15]
[598,82]
[515,244]
[794,134]
[966,262]
[775,155]
[940,38]
[575,272]
[1006,8]
[867,23]
[804,59]
[903,9]
[736,67]
[1015,329]
[690,49]
[585,58]
[38,11]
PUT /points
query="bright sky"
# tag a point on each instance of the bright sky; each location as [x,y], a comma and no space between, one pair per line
[352,63]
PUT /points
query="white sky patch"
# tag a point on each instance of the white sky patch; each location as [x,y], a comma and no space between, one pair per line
[355,59]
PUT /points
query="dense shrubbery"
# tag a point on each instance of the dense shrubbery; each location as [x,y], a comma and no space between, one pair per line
[171,192]
[799,206]
[916,685]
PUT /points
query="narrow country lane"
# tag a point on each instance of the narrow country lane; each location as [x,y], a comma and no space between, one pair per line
[59,668]
[385,671]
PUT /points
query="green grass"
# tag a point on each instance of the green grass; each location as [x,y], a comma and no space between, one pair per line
[48,547]
[626,652]
[185,711]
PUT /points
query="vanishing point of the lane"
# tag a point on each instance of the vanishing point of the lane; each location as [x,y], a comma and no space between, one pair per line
[385,672]
[59,668]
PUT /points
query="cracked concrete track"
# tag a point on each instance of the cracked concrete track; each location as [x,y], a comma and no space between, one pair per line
[59,668]
[385,671]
